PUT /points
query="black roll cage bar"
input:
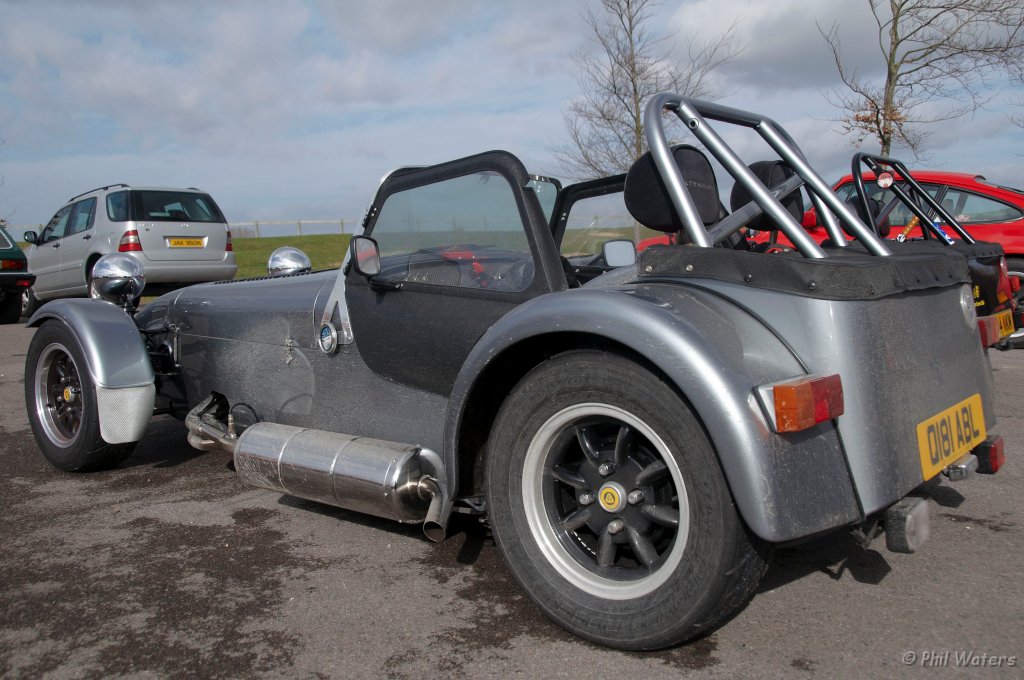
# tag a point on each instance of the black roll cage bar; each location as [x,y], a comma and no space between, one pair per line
[878,164]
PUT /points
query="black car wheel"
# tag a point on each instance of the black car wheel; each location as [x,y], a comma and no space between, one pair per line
[61,400]
[1016,269]
[29,303]
[606,498]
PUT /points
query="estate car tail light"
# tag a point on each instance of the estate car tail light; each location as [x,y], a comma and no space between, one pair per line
[229,248]
[803,403]
[13,265]
[130,242]
[991,455]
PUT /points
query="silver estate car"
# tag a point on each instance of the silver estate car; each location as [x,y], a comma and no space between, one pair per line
[179,236]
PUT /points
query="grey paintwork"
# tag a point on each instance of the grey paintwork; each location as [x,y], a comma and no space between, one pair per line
[893,376]
[255,343]
[113,347]
[716,353]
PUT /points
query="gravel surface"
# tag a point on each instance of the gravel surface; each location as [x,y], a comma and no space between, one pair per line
[169,567]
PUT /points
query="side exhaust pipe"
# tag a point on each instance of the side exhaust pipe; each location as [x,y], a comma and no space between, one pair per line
[402,482]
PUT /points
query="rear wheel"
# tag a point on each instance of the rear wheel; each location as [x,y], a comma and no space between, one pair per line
[61,400]
[1015,265]
[606,499]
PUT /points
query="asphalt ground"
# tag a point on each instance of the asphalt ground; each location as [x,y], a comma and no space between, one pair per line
[169,567]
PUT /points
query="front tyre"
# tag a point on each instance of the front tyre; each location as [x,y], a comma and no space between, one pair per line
[61,400]
[606,498]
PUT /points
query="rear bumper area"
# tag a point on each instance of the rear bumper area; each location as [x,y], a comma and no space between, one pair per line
[176,272]
[16,280]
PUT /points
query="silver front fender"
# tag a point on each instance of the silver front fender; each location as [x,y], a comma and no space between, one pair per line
[117,362]
[716,353]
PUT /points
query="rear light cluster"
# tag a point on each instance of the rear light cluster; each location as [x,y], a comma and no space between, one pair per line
[991,455]
[803,403]
[130,242]
[229,248]
[13,265]
[988,330]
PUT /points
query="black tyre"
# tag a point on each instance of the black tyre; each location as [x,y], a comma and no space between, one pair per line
[29,303]
[10,308]
[606,498]
[61,400]
[1016,268]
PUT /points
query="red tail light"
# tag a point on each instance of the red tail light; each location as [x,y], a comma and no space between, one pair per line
[803,403]
[229,248]
[988,330]
[130,242]
[991,455]
[13,265]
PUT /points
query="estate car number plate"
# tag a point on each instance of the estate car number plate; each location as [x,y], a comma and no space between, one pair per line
[1005,323]
[950,434]
[198,243]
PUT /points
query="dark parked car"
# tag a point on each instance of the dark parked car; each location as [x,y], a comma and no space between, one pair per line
[640,434]
[14,277]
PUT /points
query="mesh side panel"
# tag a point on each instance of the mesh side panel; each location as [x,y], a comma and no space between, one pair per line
[124,412]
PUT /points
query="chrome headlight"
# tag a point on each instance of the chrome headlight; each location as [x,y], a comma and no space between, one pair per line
[117,278]
[967,306]
[287,260]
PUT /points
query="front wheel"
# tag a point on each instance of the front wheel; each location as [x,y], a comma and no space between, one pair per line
[606,498]
[61,400]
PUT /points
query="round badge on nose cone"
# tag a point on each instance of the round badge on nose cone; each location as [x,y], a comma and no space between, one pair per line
[610,496]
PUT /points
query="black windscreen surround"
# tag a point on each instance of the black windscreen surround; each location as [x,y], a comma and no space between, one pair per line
[770,174]
[647,198]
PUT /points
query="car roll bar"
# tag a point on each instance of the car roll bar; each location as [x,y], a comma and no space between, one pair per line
[877,165]
[693,113]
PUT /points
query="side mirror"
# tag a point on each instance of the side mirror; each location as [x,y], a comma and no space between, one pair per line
[365,256]
[287,260]
[619,253]
[31,237]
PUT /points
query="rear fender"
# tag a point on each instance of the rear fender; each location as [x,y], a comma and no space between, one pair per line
[716,354]
[116,359]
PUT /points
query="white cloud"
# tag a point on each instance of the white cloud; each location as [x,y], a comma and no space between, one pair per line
[294,109]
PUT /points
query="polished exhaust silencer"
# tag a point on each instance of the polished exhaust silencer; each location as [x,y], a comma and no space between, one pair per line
[402,482]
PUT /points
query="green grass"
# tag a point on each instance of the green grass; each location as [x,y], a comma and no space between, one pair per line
[326,251]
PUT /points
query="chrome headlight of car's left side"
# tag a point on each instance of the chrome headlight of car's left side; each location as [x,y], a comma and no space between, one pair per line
[117,278]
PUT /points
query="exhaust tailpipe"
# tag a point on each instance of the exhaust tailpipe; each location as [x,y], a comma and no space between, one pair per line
[402,482]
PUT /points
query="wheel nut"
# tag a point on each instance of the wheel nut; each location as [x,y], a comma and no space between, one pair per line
[586,498]
[605,469]
[635,497]
[615,526]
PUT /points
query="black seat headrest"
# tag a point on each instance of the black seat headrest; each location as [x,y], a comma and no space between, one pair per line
[770,174]
[876,206]
[647,198]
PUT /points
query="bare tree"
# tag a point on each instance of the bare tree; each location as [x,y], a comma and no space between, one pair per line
[938,57]
[605,124]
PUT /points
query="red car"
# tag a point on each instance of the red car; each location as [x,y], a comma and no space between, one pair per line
[988,211]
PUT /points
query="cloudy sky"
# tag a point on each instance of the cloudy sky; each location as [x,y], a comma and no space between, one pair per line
[293,109]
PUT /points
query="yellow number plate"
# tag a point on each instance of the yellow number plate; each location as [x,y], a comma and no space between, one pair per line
[1005,323]
[198,243]
[950,434]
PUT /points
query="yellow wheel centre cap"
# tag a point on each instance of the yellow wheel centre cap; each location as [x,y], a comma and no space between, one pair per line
[68,394]
[610,496]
